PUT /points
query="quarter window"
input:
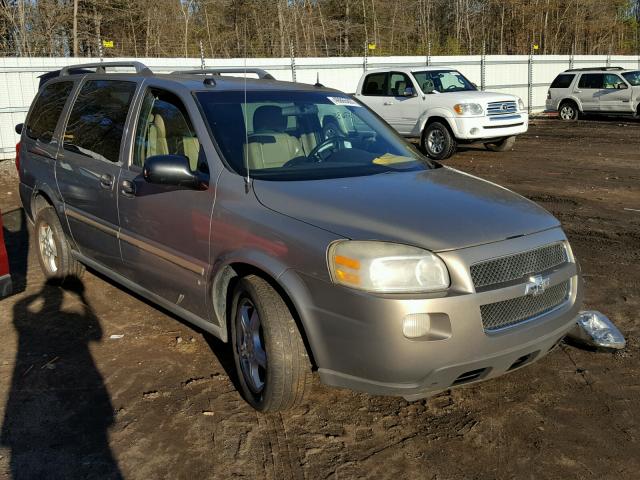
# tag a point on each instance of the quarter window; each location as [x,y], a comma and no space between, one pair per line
[562,81]
[48,107]
[97,120]
[164,128]
[591,80]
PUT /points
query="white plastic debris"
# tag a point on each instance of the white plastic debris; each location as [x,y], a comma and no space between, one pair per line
[594,329]
[116,337]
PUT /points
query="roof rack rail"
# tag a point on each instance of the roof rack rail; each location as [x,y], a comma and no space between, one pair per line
[262,74]
[600,69]
[101,67]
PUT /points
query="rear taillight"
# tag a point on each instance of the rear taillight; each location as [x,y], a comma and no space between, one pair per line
[18,156]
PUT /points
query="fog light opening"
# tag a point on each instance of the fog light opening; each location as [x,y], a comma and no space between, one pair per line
[594,329]
[474,131]
[416,325]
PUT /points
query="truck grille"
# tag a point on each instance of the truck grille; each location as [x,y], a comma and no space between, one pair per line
[501,108]
[511,312]
[514,267]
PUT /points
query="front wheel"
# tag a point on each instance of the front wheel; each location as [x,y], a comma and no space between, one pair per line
[503,145]
[438,142]
[273,367]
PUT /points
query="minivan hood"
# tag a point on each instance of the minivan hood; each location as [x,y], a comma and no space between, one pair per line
[439,209]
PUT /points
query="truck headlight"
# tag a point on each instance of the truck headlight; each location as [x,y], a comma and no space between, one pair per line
[468,109]
[386,267]
[520,104]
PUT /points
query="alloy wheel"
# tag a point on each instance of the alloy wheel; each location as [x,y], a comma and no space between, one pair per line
[250,346]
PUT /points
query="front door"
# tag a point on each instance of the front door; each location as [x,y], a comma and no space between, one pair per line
[88,167]
[615,95]
[588,91]
[403,106]
[164,230]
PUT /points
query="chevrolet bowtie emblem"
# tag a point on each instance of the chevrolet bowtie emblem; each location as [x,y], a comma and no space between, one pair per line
[537,285]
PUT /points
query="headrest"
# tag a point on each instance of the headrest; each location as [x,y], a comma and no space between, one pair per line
[269,118]
[372,87]
[158,122]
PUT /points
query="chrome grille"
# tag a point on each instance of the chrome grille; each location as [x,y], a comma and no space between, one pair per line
[511,312]
[501,108]
[514,267]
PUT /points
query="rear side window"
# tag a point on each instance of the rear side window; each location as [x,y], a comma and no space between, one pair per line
[562,81]
[46,111]
[375,84]
[97,119]
[591,80]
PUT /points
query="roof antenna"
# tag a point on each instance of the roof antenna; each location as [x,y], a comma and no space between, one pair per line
[318,84]
[247,179]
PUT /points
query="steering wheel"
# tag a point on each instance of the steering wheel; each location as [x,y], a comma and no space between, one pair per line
[334,143]
[451,87]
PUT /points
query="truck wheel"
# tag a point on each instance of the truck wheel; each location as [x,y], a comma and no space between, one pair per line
[273,367]
[568,111]
[54,253]
[437,141]
[503,145]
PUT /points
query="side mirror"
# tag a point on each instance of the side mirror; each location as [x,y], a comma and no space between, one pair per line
[622,86]
[173,170]
[409,92]
[19,128]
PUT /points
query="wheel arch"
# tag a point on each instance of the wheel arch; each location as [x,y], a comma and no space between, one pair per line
[225,281]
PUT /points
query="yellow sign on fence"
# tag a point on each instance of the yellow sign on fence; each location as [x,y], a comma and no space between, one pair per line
[107,43]
[372,46]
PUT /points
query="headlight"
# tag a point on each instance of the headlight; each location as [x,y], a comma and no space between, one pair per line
[386,267]
[468,109]
[520,104]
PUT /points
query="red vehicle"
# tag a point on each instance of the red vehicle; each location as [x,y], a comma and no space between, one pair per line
[5,275]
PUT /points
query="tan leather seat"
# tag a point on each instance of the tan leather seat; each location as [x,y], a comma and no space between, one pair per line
[157,137]
[270,146]
[191,148]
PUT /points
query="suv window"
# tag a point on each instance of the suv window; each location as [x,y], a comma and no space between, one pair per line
[375,84]
[164,128]
[96,122]
[46,110]
[398,83]
[562,81]
[591,80]
[612,81]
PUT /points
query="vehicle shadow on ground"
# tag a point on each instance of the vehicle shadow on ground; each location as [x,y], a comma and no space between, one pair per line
[16,239]
[58,410]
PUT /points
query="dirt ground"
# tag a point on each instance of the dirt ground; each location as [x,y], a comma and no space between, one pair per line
[159,402]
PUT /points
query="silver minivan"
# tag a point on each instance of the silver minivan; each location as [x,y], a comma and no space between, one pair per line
[352,255]
[604,90]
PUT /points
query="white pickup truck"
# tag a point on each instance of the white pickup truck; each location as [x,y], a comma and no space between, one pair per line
[442,108]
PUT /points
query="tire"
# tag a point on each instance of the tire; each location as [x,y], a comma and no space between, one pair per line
[438,142]
[568,111]
[503,145]
[274,371]
[54,253]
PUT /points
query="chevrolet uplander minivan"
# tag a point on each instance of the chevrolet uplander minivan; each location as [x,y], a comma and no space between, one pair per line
[221,199]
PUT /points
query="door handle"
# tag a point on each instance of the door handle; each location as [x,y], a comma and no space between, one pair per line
[128,189]
[388,103]
[106,181]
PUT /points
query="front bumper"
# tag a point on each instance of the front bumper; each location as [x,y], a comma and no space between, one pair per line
[357,338]
[490,127]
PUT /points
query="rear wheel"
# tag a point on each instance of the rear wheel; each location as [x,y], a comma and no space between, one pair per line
[54,253]
[438,142]
[568,111]
[503,145]
[273,367]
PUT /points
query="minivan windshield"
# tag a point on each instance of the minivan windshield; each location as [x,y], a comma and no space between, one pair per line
[632,77]
[304,135]
[443,81]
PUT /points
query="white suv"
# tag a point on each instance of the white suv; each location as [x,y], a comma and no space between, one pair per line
[442,108]
[603,90]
